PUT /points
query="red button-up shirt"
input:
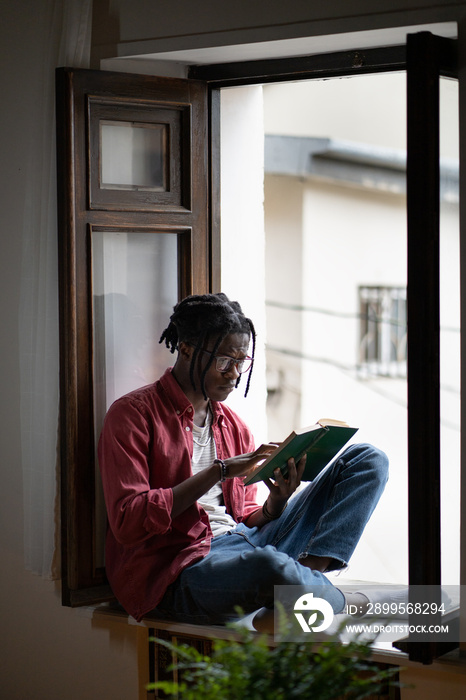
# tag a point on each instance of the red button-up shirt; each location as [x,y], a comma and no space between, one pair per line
[145,449]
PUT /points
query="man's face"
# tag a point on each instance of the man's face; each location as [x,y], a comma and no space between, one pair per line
[220,384]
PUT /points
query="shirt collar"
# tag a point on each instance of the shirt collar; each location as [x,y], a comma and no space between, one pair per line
[180,401]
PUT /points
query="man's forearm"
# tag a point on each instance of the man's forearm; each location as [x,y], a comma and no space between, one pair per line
[191,490]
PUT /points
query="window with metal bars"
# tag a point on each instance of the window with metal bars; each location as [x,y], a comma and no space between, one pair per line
[382,336]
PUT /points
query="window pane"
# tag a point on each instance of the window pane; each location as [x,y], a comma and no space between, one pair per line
[135,286]
[132,156]
[134,290]
[450,396]
[335,221]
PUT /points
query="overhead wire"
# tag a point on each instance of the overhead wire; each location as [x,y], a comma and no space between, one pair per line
[349,370]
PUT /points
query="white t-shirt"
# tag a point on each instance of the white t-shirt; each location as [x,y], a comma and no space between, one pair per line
[204,453]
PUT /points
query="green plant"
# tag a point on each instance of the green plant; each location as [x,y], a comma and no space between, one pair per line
[247,667]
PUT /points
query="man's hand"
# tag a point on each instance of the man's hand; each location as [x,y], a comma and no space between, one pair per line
[243,465]
[283,487]
[280,491]
[193,488]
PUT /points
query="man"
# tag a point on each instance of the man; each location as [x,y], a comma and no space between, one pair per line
[186,537]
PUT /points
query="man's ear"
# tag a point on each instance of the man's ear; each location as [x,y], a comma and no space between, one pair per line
[185,351]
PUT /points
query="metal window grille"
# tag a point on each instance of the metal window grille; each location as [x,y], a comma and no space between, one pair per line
[382,338]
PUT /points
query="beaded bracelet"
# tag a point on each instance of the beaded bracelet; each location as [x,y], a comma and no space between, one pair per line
[268,515]
[223,469]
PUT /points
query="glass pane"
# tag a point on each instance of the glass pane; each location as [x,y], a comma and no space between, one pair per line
[330,231]
[450,396]
[135,286]
[334,225]
[132,156]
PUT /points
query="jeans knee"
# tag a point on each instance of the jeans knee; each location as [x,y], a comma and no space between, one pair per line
[379,463]
[372,459]
[273,568]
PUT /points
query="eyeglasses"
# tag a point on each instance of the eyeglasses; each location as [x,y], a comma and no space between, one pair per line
[223,363]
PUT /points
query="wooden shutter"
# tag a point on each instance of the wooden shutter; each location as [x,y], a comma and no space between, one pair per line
[159,200]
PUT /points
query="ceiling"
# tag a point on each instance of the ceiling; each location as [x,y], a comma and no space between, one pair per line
[302,46]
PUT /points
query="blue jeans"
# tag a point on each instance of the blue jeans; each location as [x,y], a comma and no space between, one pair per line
[325,519]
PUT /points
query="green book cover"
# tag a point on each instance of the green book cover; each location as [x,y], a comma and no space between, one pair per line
[321,442]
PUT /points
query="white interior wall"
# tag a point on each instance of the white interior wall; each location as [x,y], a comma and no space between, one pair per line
[47,651]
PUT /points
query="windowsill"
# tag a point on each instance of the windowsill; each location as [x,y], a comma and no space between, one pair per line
[454,661]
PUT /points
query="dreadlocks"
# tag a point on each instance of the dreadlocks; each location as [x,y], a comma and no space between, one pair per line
[198,318]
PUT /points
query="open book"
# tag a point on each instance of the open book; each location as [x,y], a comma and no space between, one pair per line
[321,442]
